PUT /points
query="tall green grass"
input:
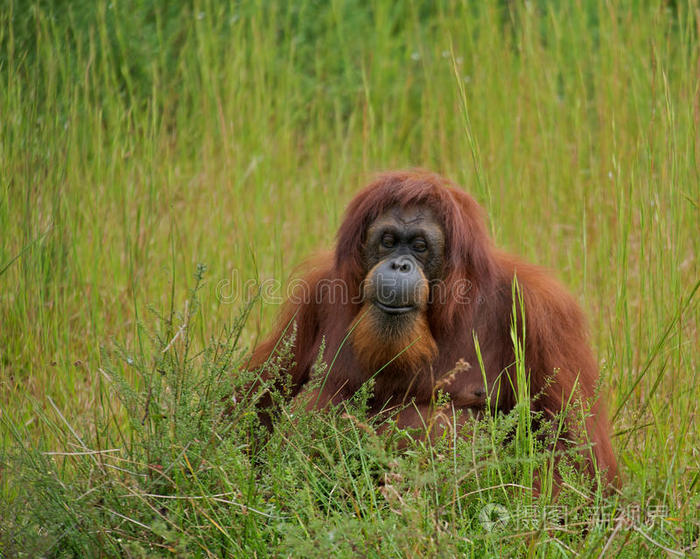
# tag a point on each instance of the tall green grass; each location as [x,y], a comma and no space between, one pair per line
[138,139]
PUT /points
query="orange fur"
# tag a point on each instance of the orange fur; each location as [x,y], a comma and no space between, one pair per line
[409,349]
[435,348]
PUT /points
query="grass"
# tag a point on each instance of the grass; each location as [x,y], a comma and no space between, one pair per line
[139,139]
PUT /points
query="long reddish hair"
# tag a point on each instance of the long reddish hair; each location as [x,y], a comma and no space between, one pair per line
[468,248]
[558,357]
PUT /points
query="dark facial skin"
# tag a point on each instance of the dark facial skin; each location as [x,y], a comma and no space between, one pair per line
[404,250]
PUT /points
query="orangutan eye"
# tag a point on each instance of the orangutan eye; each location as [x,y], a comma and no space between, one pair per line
[419,245]
[388,240]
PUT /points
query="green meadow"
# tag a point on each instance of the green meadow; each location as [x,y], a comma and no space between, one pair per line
[166,167]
